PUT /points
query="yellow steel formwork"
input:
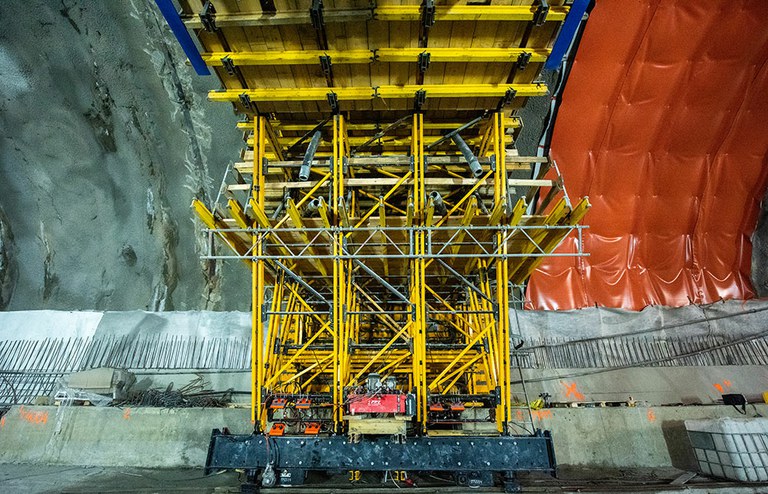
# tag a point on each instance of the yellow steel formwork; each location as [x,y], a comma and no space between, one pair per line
[393,257]
[358,286]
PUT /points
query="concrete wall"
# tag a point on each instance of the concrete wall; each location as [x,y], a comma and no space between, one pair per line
[149,437]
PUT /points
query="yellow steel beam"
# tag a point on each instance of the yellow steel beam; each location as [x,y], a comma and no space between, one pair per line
[339,266]
[553,239]
[210,221]
[387,142]
[502,274]
[381,352]
[236,210]
[386,196]
[466,220]
[383,13]
[304,127]
[361,93]
[295,215]
[322,210]
[468,13]
[384,55]
[258,415]
[443,376]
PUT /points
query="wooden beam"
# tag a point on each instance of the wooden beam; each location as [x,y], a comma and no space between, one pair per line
[362,93]
[381,55]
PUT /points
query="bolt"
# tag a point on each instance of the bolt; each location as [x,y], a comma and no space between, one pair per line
[300,462]
[459,463]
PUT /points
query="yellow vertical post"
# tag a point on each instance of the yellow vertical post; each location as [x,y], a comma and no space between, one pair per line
[258,418]
[418,293]
[502,275]
[339,284]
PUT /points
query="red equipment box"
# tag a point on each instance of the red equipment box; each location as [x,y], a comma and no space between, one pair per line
[381,403]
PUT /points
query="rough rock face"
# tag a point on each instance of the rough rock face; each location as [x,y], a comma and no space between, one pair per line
[8,267]
[106,139]
[760,252]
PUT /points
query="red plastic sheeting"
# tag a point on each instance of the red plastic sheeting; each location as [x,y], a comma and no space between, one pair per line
[664,125]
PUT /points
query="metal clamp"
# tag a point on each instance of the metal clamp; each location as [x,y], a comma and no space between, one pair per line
[208,17]
[268,6]
[325,65]
[507,98]
[540,16]
[419,99]
[333,101]
[245,100]
[428,13]
[423,61]
[316,14]
[228,65]
[523,59]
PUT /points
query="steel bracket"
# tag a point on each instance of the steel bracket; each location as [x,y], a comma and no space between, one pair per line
[228,65]
[245,100]
[333,102]
[208,17]
[325,65]
[523,59]
[507,99]
[264,165]
[419,99]
[423,61]
[316,14]
[268,6]
[427,21]
[540,16]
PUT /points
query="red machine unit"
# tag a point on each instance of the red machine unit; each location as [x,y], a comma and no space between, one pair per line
[378,403]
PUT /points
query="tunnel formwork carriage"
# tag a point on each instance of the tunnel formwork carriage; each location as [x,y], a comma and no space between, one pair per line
[389,227]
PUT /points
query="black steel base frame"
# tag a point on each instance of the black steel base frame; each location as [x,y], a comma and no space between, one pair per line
[507,454]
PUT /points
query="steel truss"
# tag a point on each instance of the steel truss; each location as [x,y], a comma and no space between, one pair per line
[400,268]
[364,285]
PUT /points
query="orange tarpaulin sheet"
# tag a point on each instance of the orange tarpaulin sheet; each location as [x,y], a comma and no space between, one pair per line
[664,125]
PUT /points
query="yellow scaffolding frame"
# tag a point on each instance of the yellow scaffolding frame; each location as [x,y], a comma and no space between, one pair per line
[357,289]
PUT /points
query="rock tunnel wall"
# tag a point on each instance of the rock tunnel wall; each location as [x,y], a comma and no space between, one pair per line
[107,136]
